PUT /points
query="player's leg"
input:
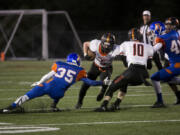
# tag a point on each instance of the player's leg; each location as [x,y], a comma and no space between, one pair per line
[173,87]
[118,82]
[56,93]
[176,92]
[33,93]
[103,75]
[162,75]
[157,61]
[92,74]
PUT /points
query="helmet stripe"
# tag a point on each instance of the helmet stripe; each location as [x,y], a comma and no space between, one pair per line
[108,37]
[132,34]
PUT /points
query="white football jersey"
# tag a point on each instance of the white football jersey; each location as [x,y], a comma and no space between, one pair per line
[136,52]
[103,60]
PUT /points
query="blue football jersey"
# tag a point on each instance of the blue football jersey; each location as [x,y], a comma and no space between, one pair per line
[67,74]
[171,45]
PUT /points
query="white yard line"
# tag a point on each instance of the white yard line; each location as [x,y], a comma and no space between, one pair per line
[2,123]
[25,129]
[111,122]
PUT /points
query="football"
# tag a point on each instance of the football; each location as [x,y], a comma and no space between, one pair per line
[91,54]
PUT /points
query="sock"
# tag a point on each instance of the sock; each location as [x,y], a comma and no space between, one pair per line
[20,101]
[157,87]
[159,97]
[105,103]
[13,105]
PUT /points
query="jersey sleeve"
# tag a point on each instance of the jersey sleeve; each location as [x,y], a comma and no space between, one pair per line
[116,51]
[54,67]
[93,45]
[122,49]
[81,74]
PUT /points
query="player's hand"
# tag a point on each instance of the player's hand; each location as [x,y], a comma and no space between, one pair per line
[107,81]
[35,84]
[87,57]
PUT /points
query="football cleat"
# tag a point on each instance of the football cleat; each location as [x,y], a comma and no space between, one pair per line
[101,109]
[158,105]
[177,102]
[56,109]
[78,106]
[114,107]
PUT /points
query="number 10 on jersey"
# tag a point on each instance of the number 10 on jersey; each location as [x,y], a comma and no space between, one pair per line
[138,50]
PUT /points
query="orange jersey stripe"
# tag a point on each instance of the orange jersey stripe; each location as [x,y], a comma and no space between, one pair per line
[169,71]
[54,67]
[100,51]
[177,65]
[159,40]
[81,74]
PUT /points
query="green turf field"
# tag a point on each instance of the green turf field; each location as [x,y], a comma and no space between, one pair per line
[135,118]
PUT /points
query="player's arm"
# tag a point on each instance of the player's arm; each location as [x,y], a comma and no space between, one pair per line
[150,56]
[159,43]
[86,47]
[120,52]
[91,82]
[46,76]
[149,63]
[89,48]
[82,76]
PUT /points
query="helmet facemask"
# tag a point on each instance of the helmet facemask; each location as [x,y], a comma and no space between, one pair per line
[106,47]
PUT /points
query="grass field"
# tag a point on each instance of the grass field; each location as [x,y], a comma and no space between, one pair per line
[135,117]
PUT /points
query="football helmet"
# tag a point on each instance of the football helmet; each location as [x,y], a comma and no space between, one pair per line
[157,28]
[107,42]
[74,59]
[134,34]
[173,21]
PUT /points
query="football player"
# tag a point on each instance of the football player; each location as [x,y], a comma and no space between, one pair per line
[138,56]
[56,82]
[105,51]
[157,29]
[170,42]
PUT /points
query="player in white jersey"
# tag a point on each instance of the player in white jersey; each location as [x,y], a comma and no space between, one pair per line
[138,56]
[104,51]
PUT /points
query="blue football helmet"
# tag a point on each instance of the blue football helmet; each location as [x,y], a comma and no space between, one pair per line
[157,28]
[74,59]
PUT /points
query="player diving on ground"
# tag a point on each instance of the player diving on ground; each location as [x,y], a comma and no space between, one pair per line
[56,82]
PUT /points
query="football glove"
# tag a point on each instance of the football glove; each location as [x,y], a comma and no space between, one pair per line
[107,81]
[35,84]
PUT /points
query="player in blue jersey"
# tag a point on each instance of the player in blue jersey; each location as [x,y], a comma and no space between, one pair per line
[56,82]
[158,28]
[170,43]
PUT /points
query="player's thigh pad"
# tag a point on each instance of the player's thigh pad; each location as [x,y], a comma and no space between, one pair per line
[56,93]
[162,75]
[37,91]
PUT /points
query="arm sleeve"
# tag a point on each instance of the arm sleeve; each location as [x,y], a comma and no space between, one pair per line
[122,49]
[54,67]
[47,76]
[91,82]
[81,74]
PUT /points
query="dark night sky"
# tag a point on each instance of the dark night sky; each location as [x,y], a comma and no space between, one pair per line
[102,14]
